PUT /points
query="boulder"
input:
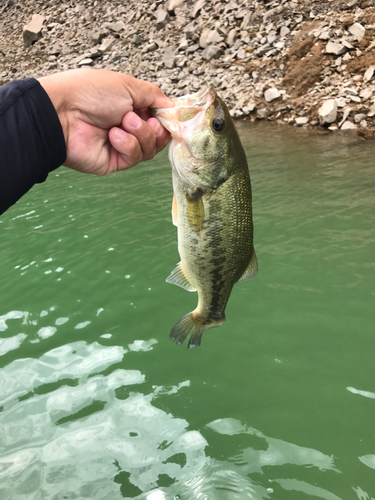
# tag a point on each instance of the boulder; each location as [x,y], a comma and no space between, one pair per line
[196,8]
[368,74]
[162,18]
[209,37]
[86,62]
[116,26]
[335,48]
[371,111]
[358,31]
[173,4]
[284,31]
[231,37]
[328,112]
[106,44]
[211,52]
[169,57]
[302,120]
[271,94]
[33,30]
[348,125]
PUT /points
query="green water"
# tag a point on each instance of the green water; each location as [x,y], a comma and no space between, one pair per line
[279,403]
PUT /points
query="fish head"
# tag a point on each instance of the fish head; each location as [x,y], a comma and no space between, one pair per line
[204,141]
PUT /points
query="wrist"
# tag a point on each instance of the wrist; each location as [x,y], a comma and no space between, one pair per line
[57,93]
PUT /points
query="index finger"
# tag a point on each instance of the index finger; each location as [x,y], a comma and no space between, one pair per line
[146,94]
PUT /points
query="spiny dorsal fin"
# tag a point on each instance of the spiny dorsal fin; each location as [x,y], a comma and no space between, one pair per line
[179,278]
[174,211]
[252,269]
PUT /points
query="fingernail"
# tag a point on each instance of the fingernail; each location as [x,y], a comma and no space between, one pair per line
[134,120]
[119,134]
[158,128]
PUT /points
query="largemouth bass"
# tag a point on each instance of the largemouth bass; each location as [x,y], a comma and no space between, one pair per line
[211,208]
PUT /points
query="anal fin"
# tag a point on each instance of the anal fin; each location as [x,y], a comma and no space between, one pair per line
[179,278]
[252,269]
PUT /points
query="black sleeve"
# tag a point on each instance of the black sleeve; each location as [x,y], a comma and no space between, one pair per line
[31,139]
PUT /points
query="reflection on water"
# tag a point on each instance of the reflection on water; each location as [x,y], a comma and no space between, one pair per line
[95,439]
[97,403]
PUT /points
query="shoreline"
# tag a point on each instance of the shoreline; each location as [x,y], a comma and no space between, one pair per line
[305,63]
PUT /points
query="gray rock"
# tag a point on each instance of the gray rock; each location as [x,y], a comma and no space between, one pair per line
[209,37]
[346,113]
[137,39]
[359,117]
[116,27]
[190,30]
[363,124]
[232,37]
[192,48]
[366,94]
[241,54]
[169,60]
[368,74]
[86,62]
[350,91]
[196,8]
[184,44]
[262,113]
[324,35]
[173,4]
[150,47]
[371,111]
[271,94]
[271,38]
[328,112]
[98,36]
[348,125]
[107,44]
[263,50]
[211,52]
[358,31]
[302,120]
[335,48]
[284,31]
[32,31]
[162,18]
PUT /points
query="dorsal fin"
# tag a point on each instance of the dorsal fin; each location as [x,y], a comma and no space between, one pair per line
[178,277]
[252,269]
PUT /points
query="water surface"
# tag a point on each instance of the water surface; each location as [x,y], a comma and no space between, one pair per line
[279,403]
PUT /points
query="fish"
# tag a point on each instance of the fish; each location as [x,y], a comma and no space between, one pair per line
[212,208]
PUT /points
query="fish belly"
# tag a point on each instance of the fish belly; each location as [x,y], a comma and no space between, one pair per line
[215,241]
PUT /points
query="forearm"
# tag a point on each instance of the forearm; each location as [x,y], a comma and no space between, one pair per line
[31,139]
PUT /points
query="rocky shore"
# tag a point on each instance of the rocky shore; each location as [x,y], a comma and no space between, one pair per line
[301,62]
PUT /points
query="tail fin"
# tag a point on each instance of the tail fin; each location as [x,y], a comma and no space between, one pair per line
[195,324]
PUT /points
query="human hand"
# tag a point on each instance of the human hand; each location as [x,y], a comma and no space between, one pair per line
[105,120]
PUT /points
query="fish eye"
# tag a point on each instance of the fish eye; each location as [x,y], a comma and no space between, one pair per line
[217,124]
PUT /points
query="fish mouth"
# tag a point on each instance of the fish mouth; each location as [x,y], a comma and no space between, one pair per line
[185,109]
[201,98]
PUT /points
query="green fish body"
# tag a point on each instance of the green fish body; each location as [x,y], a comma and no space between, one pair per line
[211,208]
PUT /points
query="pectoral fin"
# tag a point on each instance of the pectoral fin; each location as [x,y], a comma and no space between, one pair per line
[179,278]
[195,210]
[174,211]
[252,269]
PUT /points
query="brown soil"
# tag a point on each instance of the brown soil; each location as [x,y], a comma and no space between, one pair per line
[365,133]
[303,73]
[361,64]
